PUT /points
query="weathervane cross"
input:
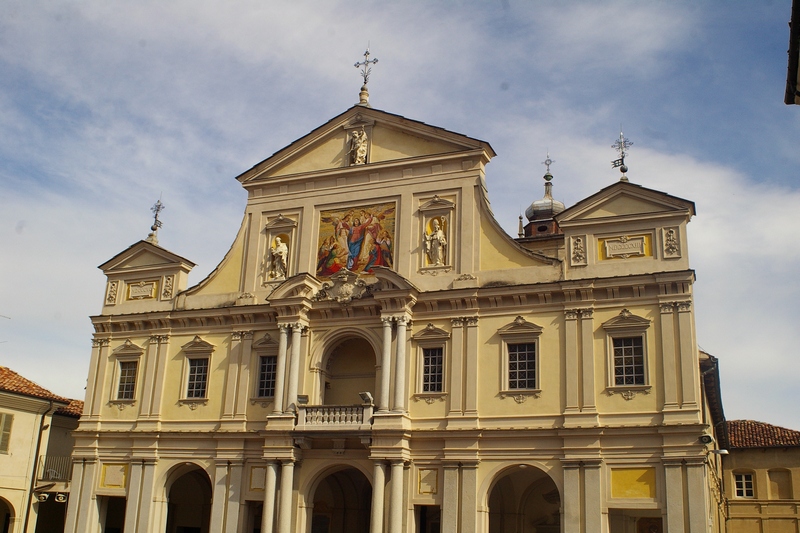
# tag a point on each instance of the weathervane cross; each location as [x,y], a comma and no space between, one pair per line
[621,145]
[547,162]
[152,237]
[366,69]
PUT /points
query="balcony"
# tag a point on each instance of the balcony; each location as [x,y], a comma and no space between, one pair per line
[334,417]
[54,468]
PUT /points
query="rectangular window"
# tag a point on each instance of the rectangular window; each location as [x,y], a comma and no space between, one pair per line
[266,376]
[628,361]
[5,431]
[744,485]
[522,366]
[127,380]
[432,369]
[198,378]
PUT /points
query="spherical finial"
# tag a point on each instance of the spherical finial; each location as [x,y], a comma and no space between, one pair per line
[548,177]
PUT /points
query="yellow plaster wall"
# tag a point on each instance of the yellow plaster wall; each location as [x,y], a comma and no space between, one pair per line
[326,154]
[226,277]
[624,205]
[633,482]
[389,144]
[497,252]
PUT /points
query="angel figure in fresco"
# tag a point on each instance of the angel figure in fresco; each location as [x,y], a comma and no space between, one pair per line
[381,253]
[328,257]
[279,254]
[358,147]
[435,244]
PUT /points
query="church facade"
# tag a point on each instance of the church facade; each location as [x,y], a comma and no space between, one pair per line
[375,354]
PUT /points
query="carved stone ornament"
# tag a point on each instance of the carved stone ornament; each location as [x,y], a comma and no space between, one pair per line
[111,295]
[625,247]
[358,147]
[169,283]
[627,394]
[672,248]
[344,287]
[521,397]
[578,257]
[465,277]
[429,398]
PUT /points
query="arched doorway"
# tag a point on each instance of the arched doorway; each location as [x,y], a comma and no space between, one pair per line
[349,370]
[189,502]
[524,500]
[342,503]
[6,516]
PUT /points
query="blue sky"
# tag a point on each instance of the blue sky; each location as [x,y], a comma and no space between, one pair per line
[105,106]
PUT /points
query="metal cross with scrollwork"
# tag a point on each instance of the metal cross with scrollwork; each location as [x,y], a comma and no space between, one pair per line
[156,209]
[366,70]
[547,162]
[621,146]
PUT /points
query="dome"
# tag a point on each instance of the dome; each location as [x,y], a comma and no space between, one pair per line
[546,207]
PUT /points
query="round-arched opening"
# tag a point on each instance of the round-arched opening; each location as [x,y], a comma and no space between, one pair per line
[6,515]
[342,503]
[189,503]
[349,370]
[524,498]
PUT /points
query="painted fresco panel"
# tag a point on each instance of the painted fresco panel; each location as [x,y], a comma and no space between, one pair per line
[356,239]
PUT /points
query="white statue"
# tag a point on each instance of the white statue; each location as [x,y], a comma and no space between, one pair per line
[279,256]
[358,147]
[435,244]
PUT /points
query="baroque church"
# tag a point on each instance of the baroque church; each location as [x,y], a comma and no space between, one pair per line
[375,354]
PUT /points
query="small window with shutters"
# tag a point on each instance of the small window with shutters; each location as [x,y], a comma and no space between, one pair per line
[5,431]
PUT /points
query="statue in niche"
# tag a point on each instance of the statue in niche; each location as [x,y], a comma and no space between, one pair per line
[358,147]
[436,243]
[278,259]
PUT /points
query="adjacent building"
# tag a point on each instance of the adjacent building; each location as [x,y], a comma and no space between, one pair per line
[35,449]
[762,478]
[375,354]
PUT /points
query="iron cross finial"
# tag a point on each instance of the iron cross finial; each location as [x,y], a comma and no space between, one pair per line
[547,162]
[621,145]
[156,209]
[366,69]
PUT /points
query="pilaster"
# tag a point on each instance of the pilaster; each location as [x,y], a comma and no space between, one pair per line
[456,388]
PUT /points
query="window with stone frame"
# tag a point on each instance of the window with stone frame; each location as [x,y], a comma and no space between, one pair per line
[626,336]
[743,485]
[126,384]
[5,431]
[197,385]
[520,358]
[267,365]
[433,369]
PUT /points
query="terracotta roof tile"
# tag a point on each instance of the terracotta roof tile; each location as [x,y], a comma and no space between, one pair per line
[74,409]
[752,434]
[10,381]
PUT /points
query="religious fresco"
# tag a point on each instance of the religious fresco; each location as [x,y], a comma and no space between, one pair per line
[356,239]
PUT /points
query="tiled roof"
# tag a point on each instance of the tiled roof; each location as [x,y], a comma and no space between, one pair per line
[74,409]
[10,381]
[752,434]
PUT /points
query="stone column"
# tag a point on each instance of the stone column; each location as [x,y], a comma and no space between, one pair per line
[587,357]
[88,516]
[593,497]
[294,367]
[73,503]
[386,363]
[268,511]
[232,375]
[689,374]
[378,489]
[233,496]
[572,496]
[134,495]
[396,497]
[400,366]
[161,371]
[280,369]
[97,378]
[218,496]
[572,368]
[697,497]
[243,394]
[471,367]
[673,474]
[456,371]
[146,507]
[669,364]
[148,364]
[285,504]
[450,498]
[469,497]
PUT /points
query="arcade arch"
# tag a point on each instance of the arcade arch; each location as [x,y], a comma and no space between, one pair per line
[189,500]
[348,368]
[524,499]
[341,502]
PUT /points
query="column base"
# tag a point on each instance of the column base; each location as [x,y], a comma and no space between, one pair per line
[577,419]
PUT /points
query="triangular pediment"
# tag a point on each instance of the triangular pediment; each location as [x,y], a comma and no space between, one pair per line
[389,138]
[198,345]
[520,326]
[431,332]
[266,344]
[145,256]
[128,348]
[625,200]
[626,320]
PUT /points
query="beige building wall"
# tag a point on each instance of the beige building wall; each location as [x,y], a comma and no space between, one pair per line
[567,448]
